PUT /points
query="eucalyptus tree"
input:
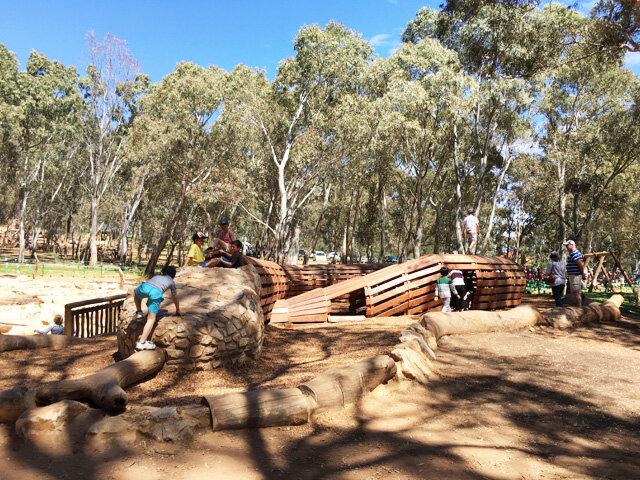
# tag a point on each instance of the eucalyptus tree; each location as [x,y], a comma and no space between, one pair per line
[110,90]
[502,46]
[38,106]
[180,125]
[293,115]
[590,137]
[427,94]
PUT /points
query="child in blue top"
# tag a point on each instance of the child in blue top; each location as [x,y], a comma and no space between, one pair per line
[153,290]
[445,289]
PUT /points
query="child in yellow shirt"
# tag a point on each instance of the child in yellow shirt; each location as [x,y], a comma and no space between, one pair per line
[195,255]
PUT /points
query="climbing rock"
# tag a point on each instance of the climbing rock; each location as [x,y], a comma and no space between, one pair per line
[221,323]
[66,421]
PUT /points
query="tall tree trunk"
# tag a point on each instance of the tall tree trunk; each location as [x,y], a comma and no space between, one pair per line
[316,231]
[294,246]
[93,231]
[456,168]
[157,251]
[23,208]
[383,217]
[487,235]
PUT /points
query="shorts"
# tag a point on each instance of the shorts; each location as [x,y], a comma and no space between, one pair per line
[152,294]
[575,283]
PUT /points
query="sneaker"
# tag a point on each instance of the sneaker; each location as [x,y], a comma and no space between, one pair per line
[148,345]
[138,315]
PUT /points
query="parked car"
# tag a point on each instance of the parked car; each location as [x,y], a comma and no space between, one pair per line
[334,256]
[321,257]
[390,259]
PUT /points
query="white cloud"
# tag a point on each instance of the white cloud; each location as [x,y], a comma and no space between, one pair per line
[632,59]
[385,42]
[381,40]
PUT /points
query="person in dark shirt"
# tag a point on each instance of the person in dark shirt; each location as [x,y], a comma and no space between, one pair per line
[231,259]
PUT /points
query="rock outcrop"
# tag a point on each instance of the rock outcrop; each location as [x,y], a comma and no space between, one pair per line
[222,321]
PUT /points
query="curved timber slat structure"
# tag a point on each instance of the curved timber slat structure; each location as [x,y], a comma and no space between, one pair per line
[408,288]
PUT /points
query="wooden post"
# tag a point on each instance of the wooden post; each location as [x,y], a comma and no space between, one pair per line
[624,273]
[598,268]
[35,270]
[68,321]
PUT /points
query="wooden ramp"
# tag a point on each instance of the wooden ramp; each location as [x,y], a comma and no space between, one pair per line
[408,288]
[286,281]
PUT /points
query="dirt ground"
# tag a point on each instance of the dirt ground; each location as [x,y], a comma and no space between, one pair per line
[531,404]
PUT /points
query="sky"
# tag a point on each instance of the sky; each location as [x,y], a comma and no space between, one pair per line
[162,33]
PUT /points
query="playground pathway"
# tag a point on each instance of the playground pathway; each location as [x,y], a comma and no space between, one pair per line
[530,404]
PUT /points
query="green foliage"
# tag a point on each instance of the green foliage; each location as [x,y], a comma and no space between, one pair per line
[520,111]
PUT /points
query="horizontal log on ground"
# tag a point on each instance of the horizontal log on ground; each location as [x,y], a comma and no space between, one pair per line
[29,342]
[105,388]
[259,408]
[345,318]
[19,300]
[336,388]
[565,317]
[14,402]
[479,321]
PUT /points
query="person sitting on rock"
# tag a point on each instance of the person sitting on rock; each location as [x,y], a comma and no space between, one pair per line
[234,255]
[225,237]
[56,328]
[195,255]
[153,290]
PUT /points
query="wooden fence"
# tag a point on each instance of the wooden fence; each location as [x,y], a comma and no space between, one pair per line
[89,318]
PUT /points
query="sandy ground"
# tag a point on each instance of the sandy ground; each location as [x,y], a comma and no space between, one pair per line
[530,404]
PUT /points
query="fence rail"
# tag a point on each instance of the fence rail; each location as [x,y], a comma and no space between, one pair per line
[89,318]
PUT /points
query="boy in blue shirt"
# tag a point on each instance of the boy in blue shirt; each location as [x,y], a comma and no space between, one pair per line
[153,290]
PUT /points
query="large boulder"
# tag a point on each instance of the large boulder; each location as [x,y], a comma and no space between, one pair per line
[222,321]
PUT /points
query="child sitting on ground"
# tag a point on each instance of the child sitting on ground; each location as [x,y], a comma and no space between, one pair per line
[445,289]
[56,328]
[153,290]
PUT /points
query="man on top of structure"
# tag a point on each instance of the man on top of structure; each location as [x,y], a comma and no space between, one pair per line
[471,227]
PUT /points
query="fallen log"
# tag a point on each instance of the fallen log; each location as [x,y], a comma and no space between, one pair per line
[565,317]
[105,388]
[259,408]
[480,321]
[294,406]
[336,388]
[14,402]
[19,300]
[29,342]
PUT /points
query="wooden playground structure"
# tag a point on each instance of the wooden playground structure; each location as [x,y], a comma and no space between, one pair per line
[600,257]
[308,293]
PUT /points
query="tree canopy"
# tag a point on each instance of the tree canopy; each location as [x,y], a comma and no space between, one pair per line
[524,113]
